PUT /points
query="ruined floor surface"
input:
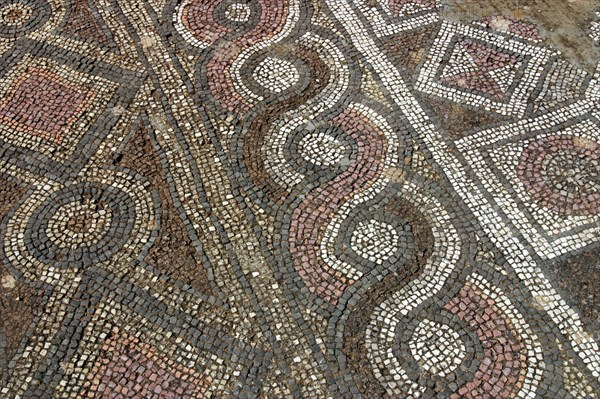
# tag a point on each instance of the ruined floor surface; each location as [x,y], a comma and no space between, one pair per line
[299,199]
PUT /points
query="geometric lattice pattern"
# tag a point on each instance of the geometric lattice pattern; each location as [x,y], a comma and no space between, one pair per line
[294,199]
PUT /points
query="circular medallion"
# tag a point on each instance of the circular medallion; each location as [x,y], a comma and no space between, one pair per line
[562,173]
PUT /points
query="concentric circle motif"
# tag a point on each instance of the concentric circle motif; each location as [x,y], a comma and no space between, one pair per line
[236,33]
[307,170]
[80,223]
[89,222]
[376,241]
[437,348]
[562,173]
[435,358]
[472,344]
[311,153]
[410,326]
[238,12]
[203,22]
[322,149]
[19,17]
[372,234]
[335,235]
[237,29]
[276,74]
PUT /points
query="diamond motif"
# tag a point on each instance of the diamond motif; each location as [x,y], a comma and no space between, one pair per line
[43,104]
[55,108]
[474,66]
[482,69]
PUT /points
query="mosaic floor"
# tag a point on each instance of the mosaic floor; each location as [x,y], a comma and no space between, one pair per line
[295,199]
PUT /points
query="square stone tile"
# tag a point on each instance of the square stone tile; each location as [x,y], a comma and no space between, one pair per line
[543,174]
